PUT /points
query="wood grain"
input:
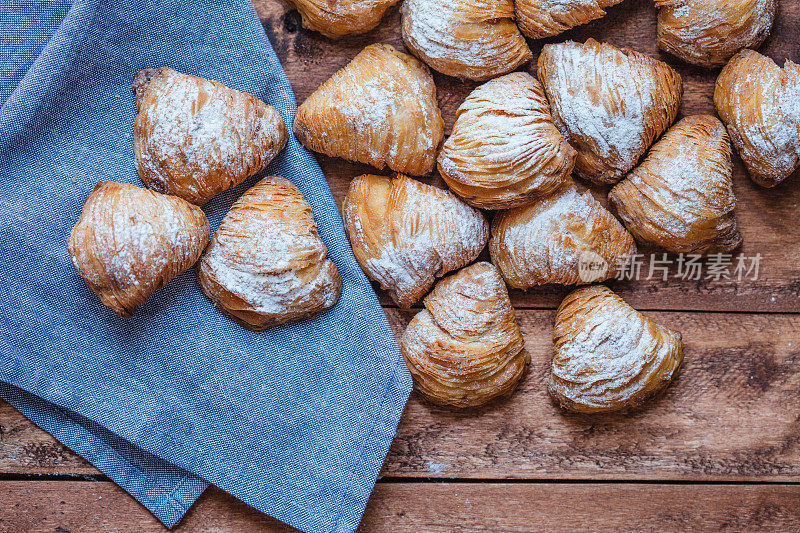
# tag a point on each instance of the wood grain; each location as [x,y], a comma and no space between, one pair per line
[731,415]
[47,506]
[768,218]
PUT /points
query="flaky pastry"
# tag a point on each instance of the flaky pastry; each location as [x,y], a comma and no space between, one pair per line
[709,32]
[405,233]
[476,39]
[608,355]
[609,103]
[759,102]
[681,196]
[465,348]
[195,138]
[380,109]
[544,18]
[129,242]
[566,238]
[266,264]
[505,149]
[337,18]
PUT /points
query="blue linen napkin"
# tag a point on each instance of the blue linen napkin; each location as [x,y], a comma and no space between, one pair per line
[295,421]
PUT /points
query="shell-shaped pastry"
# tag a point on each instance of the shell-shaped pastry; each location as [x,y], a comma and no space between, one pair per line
[476,39]
[609,103]
[759,102]
[608,356]
[380,109]
[566,238]
[505,149]
[195,138]
[129,242]
[544,18]
[337,18]
[681,196]
[709,32]
[266,264]
[465,348]
[405,233]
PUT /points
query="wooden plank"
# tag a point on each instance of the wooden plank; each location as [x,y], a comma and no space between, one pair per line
[768,218]
[732,415]
[46,506]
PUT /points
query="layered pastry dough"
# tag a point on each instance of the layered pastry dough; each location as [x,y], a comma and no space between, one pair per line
[608,355]
[266,264]
[129,242]
[405,234]
[759,102]
[566,238]
[681,196]
[544,18]
[505,149]
[337,18]
[380,109]
[609,103]
[709,32]
[195,138]
[465,348]
[476,39]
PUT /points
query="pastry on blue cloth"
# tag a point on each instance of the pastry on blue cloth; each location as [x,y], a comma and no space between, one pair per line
[266,264]
[129,242]
[380,110]
[338,18]
[465,348]
[406,233]
[196,138]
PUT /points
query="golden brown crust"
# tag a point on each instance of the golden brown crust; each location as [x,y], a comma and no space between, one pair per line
[759,102]
[337,18]
[544,18]
[566,238]
[266,264]
[474,39]
[681,197]
[608,355]
[610,104]
[405,234]
[380,109]
[505,149]
[465,348]
[195,138]
[129,242]
[709,32]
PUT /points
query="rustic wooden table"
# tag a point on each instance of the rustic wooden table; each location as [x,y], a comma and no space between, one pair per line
[720,450]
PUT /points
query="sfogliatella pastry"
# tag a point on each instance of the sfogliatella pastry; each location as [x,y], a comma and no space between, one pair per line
[505,149]
[476,40]
[608,355]
[266,264]
[709,32]
[129,242]
[195,138]
[465,348]
[609,103]
[566,238]
[338,18]
[405,233]
[380,109]
[759,102]
[681,196]
[544,18]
